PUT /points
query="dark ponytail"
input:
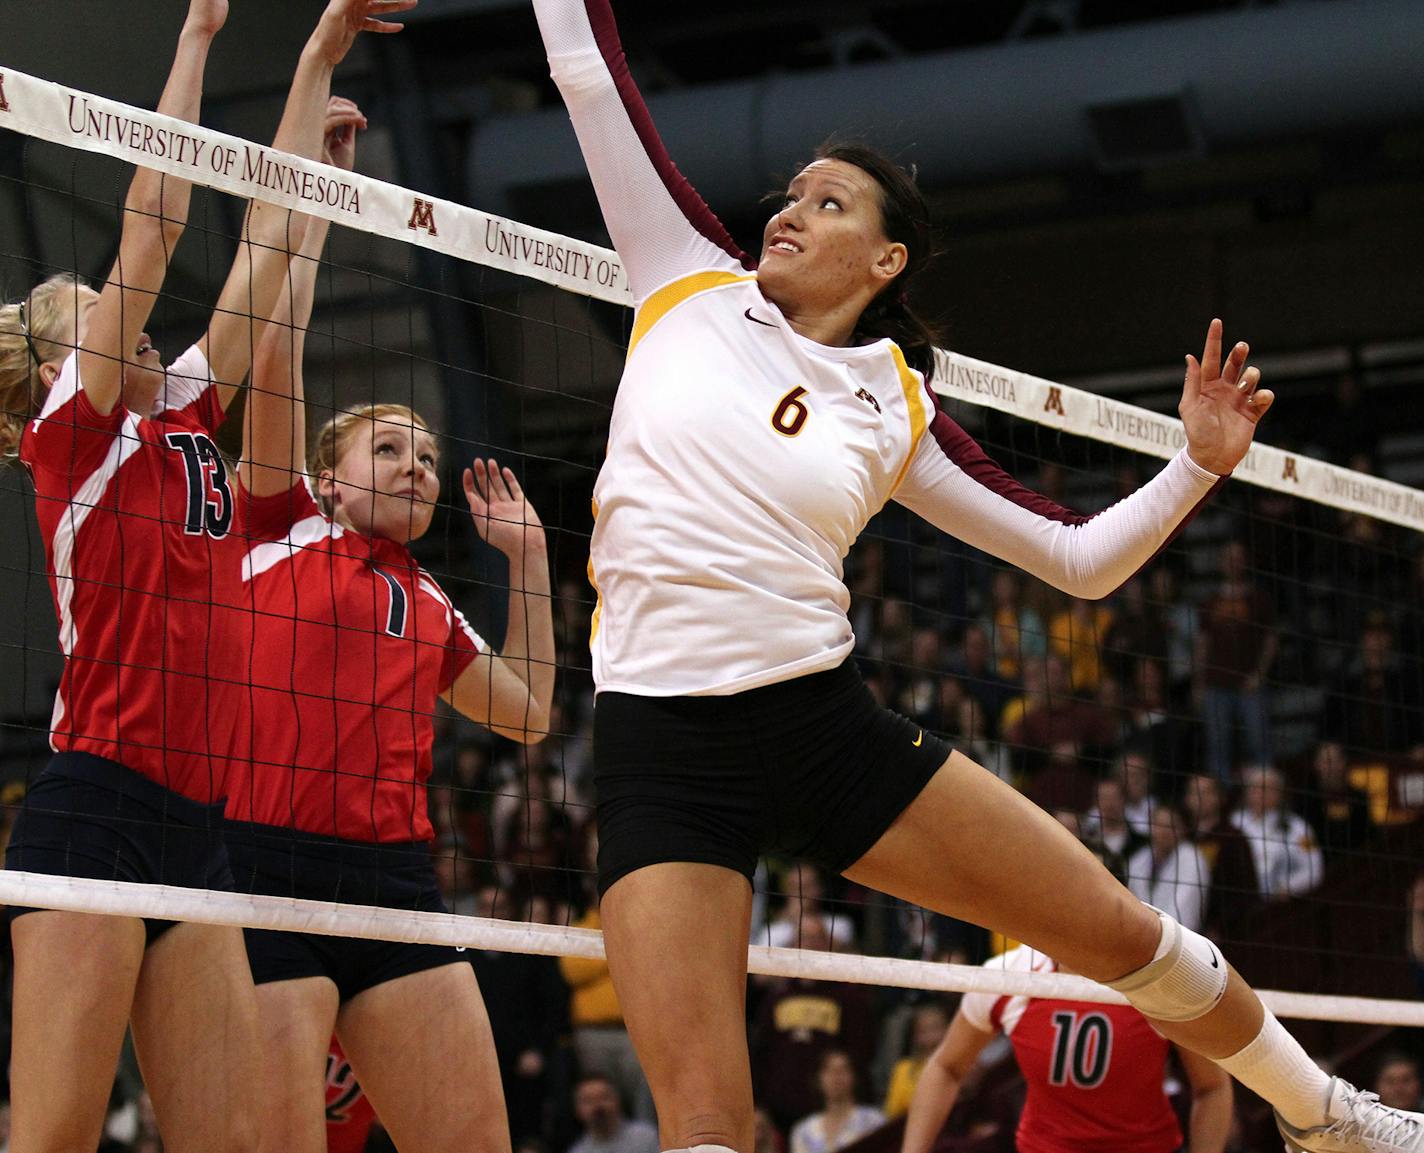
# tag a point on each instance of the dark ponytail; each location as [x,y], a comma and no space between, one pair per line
[906,219]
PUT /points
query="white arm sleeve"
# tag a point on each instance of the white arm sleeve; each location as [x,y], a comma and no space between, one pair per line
[659,225]
[957,488]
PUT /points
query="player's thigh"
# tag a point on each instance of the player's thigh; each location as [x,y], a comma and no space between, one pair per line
[74,979]
[676,935]
[195,1032]
[972,847]
[295,1020]
[421,1047]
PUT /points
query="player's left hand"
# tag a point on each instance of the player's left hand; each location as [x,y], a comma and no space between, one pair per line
[343,120]
[503,516]
[206,17]
[344,20]
[1221,404]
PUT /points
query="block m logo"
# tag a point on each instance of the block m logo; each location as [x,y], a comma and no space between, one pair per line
[423,216]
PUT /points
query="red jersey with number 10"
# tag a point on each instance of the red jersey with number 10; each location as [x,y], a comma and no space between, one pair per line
[353,642]
[1094,1072]
[144,557]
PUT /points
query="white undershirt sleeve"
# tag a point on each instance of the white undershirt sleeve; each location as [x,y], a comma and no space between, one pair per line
[660,236]
[954,486]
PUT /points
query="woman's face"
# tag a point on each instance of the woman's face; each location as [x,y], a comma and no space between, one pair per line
[837,1078]
[827,243]
[142,368]
[385,482]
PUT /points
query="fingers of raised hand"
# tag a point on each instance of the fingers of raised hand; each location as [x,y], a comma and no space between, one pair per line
[1211,350]
[372,13]
[1235,362]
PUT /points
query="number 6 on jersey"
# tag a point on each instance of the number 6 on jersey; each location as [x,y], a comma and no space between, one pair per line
[790,414]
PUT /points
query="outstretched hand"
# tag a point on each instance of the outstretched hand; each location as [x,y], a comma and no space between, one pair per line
[343,120]
[206,16]
[503,516]
[344,19]
[1221,404]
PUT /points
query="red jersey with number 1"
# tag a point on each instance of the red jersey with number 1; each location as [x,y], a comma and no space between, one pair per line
[353,643]
[137,516]
[1094,1072]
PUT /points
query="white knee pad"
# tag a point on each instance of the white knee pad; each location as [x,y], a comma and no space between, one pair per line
[1184,982]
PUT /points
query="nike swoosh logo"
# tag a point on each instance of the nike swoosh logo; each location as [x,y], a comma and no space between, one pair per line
[918,739]
[754,320]
[1214,963]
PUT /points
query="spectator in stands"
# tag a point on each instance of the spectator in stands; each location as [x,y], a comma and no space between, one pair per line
[1138,631]
[1105,824]
[528,1005]
[919,697]
[455,874]
[537,843]
[1339,814]
[601,1041]
[767,1137]
[1287,858]
[605,1128]
[975,668]
[1181,622]
[841,1121]
[1134,769]
[1054,717]
[1234,893]
[1397,1081]
[1016,631]
[960,718]
[1076,633]
[1170,872]
[1236,647]
[797,1022]
[805,893]
[1153,726]
[1373,707]
[927,1029]
[1414,930]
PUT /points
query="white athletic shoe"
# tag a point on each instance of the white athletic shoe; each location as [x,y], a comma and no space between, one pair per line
[1358,1124]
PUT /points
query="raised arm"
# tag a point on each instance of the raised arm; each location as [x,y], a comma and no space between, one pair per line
[511,691]
[274,432]
[661,228]
[939,1084]
[1209,1125]
[155,210]
[956,487]
[271,234]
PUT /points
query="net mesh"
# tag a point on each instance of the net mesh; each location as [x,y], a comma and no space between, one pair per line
[1133,719]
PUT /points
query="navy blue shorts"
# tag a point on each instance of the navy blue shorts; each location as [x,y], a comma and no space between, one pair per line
[812,768]
[85,816]
[291,863]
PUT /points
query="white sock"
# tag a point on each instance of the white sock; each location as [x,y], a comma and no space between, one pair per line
[702,1149]
[1275,1067]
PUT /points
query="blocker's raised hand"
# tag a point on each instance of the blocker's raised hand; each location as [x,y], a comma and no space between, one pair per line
[344,19]
[1221,404]
[503,516]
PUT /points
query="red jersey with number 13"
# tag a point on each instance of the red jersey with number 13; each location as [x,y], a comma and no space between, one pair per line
[137,516]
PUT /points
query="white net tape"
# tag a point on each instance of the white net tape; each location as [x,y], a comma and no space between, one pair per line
[66,116]
[212,907]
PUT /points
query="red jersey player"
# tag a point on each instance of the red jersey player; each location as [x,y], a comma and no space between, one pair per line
[1094,1074]
[355,643]
[349,1115]
[138,517]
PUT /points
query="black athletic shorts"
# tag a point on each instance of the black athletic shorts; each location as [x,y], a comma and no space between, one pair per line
[812,768]
[85,816]
[292,863]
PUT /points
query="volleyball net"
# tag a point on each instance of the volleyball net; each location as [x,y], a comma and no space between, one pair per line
[1239,732]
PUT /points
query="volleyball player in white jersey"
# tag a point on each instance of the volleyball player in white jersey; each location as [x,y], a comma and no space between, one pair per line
[762,419]
[142,545]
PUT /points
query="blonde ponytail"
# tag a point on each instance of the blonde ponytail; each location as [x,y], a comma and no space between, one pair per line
[37,330]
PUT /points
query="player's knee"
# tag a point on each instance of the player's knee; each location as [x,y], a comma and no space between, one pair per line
[1184,981]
